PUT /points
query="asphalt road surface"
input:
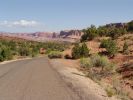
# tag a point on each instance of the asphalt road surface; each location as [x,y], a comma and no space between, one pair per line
[33,79]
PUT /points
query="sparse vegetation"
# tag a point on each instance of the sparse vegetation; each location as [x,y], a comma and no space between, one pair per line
[117,32]
[86,63]
[116,43]
[80,51]
[89,33]
[95,61]
[76,51]
[125,48]
[97,66]
[104,43]
[111,48]
[84,52]
[11,48]
[5,53]
[110,91]
[99,61]
[55,54]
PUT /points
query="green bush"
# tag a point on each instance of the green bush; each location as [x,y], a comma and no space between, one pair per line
[102,31]
[5,54]
[10,48]
[48,51]
[80,51]
[104,43]
[54,46]
[110,91]
[96,61]
[89,33]
[76,51]
[84,52]
[110,46]
[24,51]
[55,54]
[86,63]
[97,66]
[99,61]
[125,48]
[115,33]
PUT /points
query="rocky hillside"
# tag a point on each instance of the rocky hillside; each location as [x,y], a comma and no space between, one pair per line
[71,35]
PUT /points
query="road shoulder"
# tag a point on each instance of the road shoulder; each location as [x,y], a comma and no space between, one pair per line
[76,80]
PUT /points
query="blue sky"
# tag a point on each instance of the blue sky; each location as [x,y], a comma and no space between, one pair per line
[56,15]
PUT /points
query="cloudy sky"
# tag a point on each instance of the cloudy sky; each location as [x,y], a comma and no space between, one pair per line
[56,15]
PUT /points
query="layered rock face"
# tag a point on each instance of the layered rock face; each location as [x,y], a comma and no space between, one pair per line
[70,35]
[73,34]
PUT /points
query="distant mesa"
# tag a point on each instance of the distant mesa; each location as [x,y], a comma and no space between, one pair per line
[69,35]
[74,34]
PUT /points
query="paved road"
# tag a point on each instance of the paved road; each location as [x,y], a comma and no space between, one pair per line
[33,79]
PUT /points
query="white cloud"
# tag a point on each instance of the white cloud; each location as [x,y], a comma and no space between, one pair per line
[19,23]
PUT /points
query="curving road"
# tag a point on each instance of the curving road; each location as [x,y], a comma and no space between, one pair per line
[33,79]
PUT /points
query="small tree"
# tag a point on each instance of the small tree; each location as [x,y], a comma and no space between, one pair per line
[76,51]
[89,34]
[84,37]
[112,48]
[80,51]
[84,50]
[125,48]
[5,54]
[115,33]
[102,31]
[24,51]
[92,32]
[104,43]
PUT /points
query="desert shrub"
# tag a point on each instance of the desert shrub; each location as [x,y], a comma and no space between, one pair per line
[85,63]
[48,51]
[97,67]
[76,51]
[10,48]
[110,91]
[89,33]
[55,54]
[84,52]
[96,61]
[117,32]
[80,51]
[104,43]
[99,61]
[5,54]
[24,51]
[84,37]
[102,31]
[125,48]
[55,46]
[111,48]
